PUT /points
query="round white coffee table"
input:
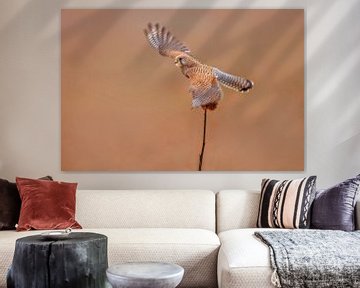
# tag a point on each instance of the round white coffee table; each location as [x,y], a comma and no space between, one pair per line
[145,275]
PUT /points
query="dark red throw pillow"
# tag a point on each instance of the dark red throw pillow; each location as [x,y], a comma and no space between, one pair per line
[46,204]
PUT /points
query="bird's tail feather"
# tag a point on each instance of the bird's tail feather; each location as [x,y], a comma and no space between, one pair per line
[237,83]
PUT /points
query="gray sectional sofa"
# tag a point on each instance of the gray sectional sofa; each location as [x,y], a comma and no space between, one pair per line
[209,234]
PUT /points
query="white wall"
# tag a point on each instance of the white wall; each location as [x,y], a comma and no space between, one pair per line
[30,94]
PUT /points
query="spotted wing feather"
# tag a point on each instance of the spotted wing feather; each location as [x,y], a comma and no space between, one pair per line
[233,82]
[162,40]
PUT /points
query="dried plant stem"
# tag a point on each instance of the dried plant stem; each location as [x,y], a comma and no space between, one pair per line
[204,142]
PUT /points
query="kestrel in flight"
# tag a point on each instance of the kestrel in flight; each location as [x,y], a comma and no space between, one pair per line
[204,80]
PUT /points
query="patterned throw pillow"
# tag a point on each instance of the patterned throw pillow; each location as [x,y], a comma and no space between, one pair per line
[286,204]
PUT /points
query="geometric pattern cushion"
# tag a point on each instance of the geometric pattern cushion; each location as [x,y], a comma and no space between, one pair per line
[286,204]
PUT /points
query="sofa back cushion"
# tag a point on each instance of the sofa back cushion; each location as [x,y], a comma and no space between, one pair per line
[146,209]
[236,209]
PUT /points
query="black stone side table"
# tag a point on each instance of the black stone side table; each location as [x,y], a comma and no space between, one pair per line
[79,261]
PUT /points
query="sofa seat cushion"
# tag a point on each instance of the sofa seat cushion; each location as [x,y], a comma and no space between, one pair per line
[244,261]
[194,249]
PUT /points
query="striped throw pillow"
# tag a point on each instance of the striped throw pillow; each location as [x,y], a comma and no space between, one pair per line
[286,204]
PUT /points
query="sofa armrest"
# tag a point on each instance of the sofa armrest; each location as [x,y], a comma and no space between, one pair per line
[357,215]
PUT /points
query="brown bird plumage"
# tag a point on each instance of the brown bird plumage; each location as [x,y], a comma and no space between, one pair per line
[204,80]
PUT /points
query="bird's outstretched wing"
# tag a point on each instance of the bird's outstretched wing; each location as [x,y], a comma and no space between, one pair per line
[233,82]
[163,41]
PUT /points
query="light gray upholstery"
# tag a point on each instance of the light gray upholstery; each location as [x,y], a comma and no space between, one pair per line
[244,261]
[146,209]
[236,209]
[176,226]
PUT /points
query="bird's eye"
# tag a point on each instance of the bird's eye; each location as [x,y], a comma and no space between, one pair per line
[182,60]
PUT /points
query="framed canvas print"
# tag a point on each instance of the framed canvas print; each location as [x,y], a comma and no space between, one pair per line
[182,90]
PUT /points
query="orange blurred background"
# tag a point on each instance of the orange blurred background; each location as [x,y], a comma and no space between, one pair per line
[126,108]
